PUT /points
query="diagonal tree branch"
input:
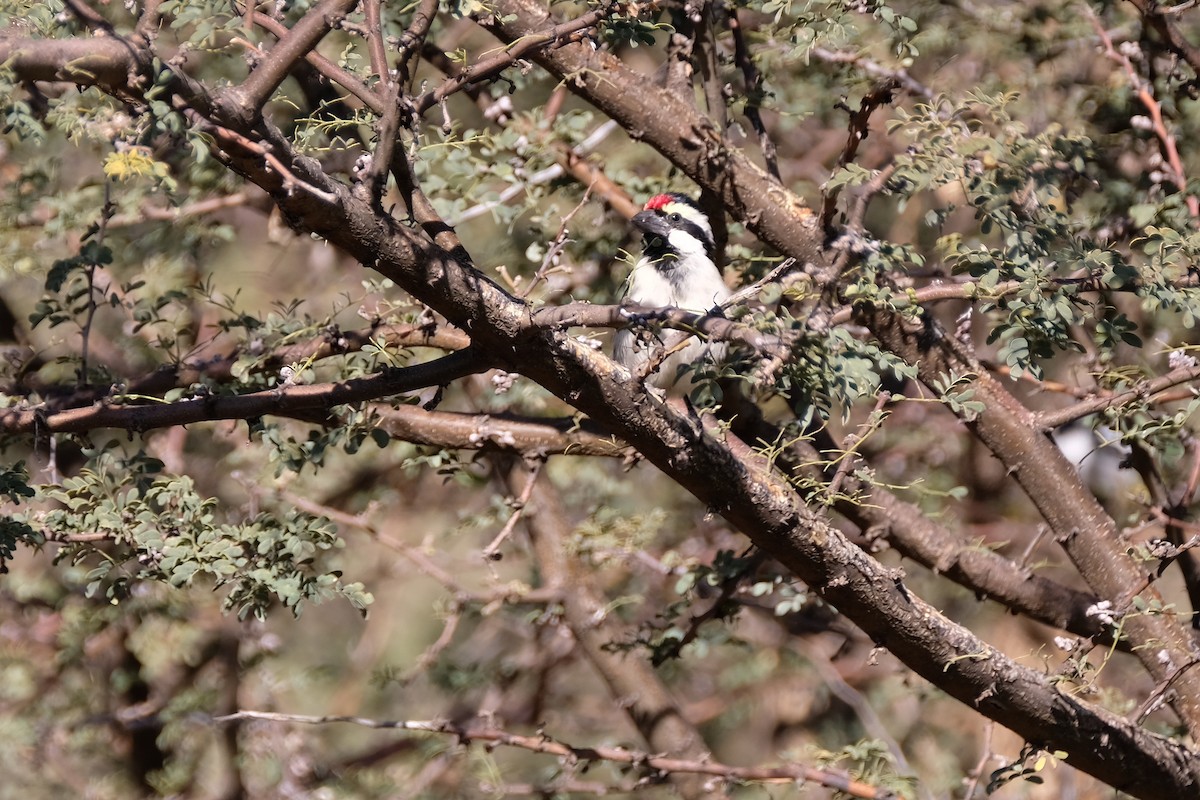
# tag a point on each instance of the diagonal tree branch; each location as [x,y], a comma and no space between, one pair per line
[712,464]
[244,102]
[342,77]
[754,498]
[782,220]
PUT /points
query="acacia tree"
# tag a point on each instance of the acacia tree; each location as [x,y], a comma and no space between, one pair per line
[339,268]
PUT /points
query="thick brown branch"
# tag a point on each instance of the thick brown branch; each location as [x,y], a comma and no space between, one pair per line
[244,102]
[533,438]
[101,61]
[711,464]
[342,77]
[1080,524]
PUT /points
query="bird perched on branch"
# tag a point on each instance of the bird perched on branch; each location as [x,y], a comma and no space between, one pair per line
[676,269]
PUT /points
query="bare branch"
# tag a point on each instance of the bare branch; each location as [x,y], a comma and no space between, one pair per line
[529,437]
[284,401]
[375,45]
[101,61]
[1048,420]
[1145,94]
[754,90]
[342,77]
[859,127]
[413,38]
[548,746]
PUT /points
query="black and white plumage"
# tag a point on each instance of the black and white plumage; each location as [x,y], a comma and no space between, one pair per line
[676,269]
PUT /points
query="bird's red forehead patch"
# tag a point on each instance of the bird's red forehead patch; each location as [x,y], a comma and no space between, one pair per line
[657,202]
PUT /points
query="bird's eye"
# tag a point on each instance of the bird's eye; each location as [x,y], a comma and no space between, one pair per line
[674,217]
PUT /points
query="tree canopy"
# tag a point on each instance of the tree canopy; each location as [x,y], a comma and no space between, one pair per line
[308,418]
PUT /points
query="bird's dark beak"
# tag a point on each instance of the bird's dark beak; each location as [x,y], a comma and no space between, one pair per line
[652,225]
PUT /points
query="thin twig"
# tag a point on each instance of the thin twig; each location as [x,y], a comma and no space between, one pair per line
[754,93]
[1144,93]
[417,558]
[434,651]
[290,181]
[556,247]
[492,551]
[792,773]
[858,128]
[1049,420]
[196,209]
[848,456]
[977,772]
[106,213]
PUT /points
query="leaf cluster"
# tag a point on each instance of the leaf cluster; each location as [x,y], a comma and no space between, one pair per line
[142,525]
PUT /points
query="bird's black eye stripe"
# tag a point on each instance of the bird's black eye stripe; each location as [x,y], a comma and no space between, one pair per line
[692,229]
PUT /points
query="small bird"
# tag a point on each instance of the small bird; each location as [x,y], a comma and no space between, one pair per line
[676,269]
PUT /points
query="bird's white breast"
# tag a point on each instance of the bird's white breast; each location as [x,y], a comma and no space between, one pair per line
[698,289]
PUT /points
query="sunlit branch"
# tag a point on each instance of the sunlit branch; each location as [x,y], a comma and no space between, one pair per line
[528,436]
[1145,390]
[1145,94]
